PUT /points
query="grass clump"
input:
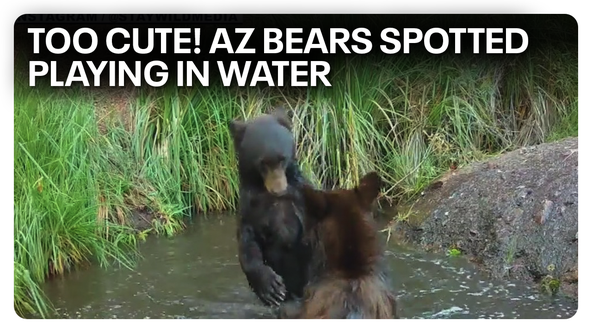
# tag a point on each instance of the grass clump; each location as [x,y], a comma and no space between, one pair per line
[550,285]
[454,252]
[57,197]
[28,296]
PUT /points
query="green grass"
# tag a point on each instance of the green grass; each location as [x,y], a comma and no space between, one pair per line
[454,252]
[80,171]
[58,163]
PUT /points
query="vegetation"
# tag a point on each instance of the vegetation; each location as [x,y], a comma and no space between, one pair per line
[454,252]
[549,285]
[83,166]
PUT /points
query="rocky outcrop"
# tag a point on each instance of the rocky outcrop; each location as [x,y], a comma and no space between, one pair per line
[516,215]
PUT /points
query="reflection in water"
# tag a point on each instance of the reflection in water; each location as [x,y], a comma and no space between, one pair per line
[197,275]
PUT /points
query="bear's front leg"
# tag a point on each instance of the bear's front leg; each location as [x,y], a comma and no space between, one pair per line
[267,284]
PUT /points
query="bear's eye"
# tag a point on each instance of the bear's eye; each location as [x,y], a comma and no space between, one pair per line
[263,165]
[272,162]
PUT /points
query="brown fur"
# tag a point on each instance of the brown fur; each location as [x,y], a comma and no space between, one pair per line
[348,274]
[274,176]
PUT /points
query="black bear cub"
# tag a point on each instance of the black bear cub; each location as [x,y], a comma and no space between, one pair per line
[270,227]
[348,276]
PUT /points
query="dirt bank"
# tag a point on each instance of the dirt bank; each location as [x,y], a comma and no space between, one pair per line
[516,215]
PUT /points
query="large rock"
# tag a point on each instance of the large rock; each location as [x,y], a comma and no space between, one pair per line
[515,215]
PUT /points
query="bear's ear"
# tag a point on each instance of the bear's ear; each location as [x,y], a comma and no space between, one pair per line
[237,130]
[369,188]
[283,116]
[315,202]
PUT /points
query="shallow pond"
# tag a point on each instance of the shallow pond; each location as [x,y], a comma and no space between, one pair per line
[197,275]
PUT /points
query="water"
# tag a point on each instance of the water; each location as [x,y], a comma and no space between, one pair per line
[197,275]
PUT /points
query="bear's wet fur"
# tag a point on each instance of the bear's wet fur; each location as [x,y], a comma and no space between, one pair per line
[271,252]
[348,277]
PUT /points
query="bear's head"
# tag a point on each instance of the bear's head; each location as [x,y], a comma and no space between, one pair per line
[265,148]
[341,221]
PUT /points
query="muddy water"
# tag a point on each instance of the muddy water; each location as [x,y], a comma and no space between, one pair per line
[196,275]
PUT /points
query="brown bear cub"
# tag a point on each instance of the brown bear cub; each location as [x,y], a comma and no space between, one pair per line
[348,276]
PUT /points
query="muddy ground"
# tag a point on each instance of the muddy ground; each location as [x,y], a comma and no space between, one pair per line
[515,215]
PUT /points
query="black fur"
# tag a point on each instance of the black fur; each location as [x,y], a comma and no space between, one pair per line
[270,227]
